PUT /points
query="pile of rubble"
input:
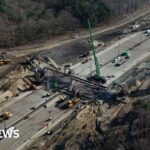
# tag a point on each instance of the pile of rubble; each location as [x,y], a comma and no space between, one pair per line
[24,77]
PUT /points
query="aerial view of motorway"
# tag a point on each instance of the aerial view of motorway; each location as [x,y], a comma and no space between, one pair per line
[75,75]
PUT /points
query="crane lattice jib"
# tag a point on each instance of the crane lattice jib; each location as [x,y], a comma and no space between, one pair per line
[94,51]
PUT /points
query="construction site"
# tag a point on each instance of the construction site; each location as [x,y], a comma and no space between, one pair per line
[91,93]
[94,123]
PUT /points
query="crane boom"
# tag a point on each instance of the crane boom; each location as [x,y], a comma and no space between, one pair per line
[94,51]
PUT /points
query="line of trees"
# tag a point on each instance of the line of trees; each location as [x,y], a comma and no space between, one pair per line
[23,21]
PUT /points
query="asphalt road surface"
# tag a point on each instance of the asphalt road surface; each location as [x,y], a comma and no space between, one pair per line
[24,107]
[38,119]
[139,51]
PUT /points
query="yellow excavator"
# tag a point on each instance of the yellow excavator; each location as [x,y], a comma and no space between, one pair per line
[6,115]
[72,102]
[64,104]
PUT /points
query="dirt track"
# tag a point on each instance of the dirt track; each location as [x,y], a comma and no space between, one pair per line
[70,51]
[59,41]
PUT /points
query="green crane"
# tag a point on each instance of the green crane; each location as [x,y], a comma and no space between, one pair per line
[94,51]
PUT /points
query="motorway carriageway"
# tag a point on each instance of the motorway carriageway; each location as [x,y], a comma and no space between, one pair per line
[37,119]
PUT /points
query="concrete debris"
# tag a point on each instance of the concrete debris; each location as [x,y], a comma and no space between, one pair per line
[81,114]
[133,84]
[144,65]
[26,76]
[52,63]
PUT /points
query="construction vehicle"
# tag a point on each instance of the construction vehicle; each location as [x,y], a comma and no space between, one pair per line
[6,115]
[136,27]
[123,58]
[126,54]
[72,102]
[4,61]
[96,77]
[94,51]
[62,99]
[65,104]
